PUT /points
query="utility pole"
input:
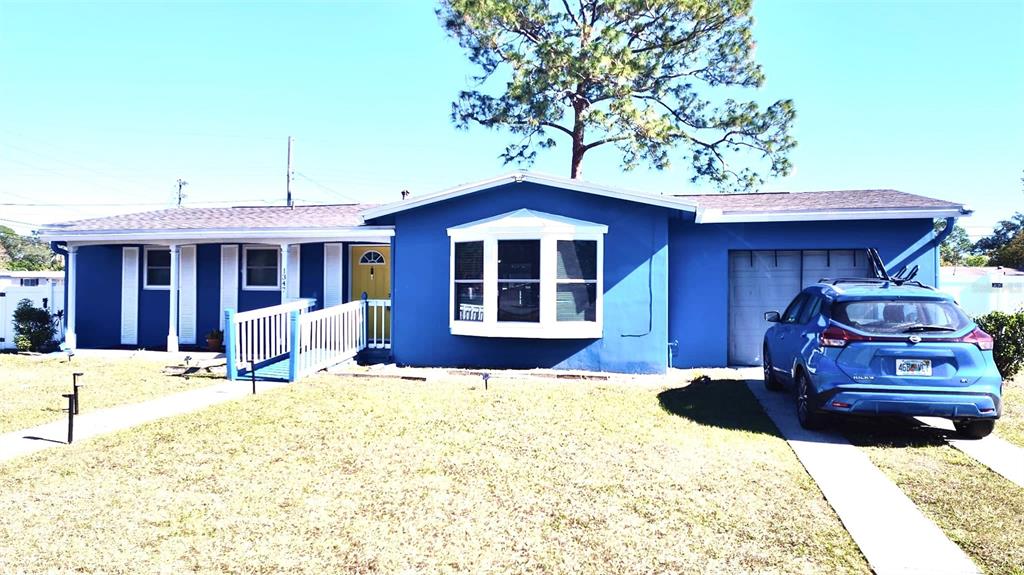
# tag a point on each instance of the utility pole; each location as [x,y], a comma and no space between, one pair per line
[290,175]
[181,184]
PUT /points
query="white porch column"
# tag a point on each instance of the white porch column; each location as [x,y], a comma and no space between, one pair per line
[172,320]
[70,337]
[284,272]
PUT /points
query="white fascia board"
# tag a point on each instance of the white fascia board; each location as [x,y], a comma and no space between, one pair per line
[518,177]
[263,235]
[713,216]
[526,221]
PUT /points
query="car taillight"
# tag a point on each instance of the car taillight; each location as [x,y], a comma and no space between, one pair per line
[835,336]
[979,338]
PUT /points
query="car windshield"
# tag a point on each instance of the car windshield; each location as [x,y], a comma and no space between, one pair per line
[901,316]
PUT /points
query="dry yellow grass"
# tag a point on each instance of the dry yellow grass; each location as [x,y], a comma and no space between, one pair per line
[358,476]
[976,508]
[1011,424]
[31,386]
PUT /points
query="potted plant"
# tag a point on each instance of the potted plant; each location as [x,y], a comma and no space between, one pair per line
[215,340]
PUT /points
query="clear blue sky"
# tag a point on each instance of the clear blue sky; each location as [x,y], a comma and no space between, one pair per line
[110,102]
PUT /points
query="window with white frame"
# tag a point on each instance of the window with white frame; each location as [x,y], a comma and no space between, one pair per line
[157,268]
[29,282]
[261,268]
[527,274]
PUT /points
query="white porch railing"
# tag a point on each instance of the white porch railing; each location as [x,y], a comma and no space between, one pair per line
[329,336]
[378,323]
[306,341]
[258,336]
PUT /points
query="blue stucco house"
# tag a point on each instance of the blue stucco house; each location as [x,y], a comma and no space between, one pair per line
[519,271]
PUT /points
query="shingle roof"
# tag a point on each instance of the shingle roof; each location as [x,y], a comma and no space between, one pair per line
[816,201]
[235,218]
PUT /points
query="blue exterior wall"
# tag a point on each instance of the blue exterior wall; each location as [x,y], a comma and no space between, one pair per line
[699,269]
[635,285]
[311,272]
[98,295]
[207,290]
[154,311]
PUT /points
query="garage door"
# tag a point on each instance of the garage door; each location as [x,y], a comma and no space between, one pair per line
[767,280]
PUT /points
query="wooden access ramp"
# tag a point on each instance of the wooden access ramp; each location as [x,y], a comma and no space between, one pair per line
[289,341]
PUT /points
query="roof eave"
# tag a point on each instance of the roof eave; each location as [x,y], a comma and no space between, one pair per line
[211,235]
[715,216]
[519,177]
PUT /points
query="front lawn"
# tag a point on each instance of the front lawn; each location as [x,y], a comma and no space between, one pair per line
[978,509]
[337,475]
[31,386]
[1011,423]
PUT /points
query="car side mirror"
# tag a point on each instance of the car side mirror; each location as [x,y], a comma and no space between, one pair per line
[772,316]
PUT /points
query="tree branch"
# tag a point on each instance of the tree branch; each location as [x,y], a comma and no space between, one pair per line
[557,127]
[604,141]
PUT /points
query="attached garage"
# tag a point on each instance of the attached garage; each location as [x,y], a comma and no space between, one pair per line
[767,280]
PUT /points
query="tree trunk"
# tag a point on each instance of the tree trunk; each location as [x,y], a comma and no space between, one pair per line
[578,149]
[576,170]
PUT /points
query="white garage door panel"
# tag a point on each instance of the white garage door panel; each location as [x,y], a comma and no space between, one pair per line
[759,281]
[833,264]
[768,280]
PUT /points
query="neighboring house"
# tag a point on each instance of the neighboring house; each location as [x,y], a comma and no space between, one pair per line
[518,271]
[44,288]
[984,289]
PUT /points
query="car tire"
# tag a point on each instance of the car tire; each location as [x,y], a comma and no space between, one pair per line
[771,382]
[974,428]
[805,414]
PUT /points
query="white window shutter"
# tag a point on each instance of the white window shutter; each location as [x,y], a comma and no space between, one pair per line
[332,274]
[294,273]
[228,280]
[130,296]
[187,295]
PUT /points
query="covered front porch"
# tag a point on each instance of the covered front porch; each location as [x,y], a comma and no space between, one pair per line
[171,289]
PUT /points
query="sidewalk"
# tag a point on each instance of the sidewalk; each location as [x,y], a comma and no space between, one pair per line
[890,530]
[993,452]
[91,423]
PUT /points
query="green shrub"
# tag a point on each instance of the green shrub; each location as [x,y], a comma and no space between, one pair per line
[976,261]
[33,327]
[1008,331]
[22,342]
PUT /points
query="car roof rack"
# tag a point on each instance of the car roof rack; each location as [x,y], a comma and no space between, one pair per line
[873,281]
[881,276]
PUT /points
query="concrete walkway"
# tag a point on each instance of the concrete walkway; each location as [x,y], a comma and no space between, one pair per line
[91,423]
[993,452]
[893,534]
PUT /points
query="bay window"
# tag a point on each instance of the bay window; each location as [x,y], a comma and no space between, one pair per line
[527,274]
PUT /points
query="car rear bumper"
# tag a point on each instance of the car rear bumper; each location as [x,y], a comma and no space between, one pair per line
[959,404]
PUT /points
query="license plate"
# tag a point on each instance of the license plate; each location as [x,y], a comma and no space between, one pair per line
[913,367]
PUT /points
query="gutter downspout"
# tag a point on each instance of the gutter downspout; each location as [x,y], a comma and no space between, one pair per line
[932,242]
[55,246]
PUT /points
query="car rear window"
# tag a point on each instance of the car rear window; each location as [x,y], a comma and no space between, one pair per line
[902,316]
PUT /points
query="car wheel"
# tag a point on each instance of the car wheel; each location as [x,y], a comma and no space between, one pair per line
[974,428]
[771,382]
[809,419]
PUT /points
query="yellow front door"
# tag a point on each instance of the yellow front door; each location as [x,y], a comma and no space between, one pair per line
[371,273]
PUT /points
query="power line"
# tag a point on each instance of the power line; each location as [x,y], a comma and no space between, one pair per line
[19,222]
[326,188]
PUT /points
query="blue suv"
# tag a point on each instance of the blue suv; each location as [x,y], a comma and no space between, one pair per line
[879,347]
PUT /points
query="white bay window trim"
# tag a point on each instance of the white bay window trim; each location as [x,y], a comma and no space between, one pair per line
[548,229]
